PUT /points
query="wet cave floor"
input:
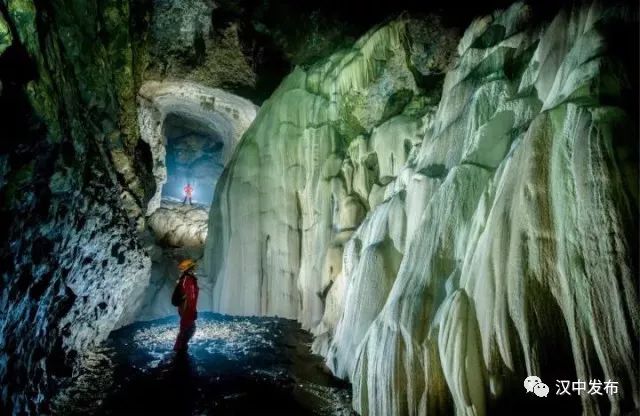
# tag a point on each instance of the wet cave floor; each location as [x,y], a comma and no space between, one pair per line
[235,366]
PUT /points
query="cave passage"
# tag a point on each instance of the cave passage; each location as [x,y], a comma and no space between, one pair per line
[194,156]
[429,206]
[236,365]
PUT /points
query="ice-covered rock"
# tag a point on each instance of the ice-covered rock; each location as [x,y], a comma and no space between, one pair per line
[508,267]
[443,255]
[299,185]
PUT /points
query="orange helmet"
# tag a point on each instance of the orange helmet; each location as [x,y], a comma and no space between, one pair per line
[185,265]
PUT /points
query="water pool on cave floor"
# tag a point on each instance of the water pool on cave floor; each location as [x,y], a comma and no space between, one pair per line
[236,365]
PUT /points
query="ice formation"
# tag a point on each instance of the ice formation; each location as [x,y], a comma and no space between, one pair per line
[441,253]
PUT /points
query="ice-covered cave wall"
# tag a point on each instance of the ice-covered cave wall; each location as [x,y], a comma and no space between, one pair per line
[304,176]
[444,240]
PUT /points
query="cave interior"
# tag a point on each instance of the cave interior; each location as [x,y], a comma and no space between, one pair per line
[405,208]
[195,156]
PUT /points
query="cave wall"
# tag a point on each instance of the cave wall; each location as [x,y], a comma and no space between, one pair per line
[360,202]
[75,179]
[216,110]
[305,174]
[194,156]
[180,231]
[446,238]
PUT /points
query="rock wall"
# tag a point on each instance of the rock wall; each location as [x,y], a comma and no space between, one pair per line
[194,156]
[226,114]
[185,44]
[442,253]
[179,232]
[74,183]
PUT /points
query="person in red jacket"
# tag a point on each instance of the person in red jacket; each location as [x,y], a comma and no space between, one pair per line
[188,192]
[188,293]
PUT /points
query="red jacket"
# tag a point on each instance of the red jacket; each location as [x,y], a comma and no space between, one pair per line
[189,288]
[188,190]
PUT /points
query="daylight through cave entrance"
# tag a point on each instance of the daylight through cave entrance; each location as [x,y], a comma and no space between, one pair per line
[195,156]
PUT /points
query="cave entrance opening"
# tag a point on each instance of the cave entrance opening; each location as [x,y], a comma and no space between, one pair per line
[194,156]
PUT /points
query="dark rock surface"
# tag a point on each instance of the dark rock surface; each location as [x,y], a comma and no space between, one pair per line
[235,366]
[73,180]
[249,46]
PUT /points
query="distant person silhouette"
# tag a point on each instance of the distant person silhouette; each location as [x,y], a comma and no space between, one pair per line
[188,192]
